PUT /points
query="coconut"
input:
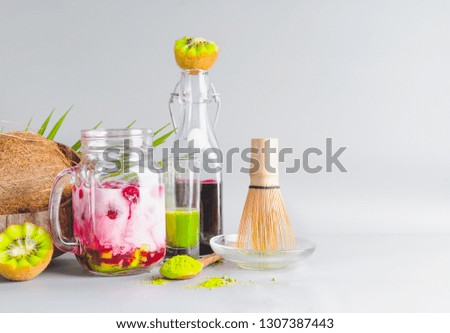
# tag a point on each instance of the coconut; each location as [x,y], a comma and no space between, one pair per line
[28,165]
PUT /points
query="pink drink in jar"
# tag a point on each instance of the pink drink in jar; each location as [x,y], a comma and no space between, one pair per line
[119,226]
[118,213]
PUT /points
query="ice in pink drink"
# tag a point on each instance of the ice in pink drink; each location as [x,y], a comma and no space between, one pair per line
[119,226]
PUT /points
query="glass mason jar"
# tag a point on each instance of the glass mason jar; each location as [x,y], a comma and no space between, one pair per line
[118,204]
[196,95]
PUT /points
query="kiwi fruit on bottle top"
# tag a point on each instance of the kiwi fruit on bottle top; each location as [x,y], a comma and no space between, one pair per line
[195,53]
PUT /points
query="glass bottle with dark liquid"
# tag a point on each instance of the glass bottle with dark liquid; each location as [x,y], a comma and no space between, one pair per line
[196,96]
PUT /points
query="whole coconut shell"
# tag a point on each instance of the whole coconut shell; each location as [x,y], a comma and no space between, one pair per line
[28,165]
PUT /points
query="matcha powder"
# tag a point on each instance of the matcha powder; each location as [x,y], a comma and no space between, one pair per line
[184,266]
[179,266]
[216,282]
[159,282]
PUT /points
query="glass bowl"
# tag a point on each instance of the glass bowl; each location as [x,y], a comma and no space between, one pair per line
[225,246]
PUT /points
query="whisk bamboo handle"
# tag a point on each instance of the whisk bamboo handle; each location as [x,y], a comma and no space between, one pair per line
[265,173]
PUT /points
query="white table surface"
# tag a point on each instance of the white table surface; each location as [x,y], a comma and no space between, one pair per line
[347,273]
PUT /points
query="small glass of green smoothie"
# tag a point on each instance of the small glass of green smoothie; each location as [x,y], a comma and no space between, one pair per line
[182,189]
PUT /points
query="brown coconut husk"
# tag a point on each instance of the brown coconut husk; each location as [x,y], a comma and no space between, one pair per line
[28,165]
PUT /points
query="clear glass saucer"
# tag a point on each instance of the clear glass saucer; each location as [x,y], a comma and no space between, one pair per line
[225,246]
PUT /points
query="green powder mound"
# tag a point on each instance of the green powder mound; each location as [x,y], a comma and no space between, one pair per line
[179,266]
[159,282]
[156,282]
[216,282]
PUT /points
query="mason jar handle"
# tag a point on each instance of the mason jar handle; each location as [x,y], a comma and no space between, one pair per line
[60,241]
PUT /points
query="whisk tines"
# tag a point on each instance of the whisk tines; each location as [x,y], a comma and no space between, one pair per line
[265,224]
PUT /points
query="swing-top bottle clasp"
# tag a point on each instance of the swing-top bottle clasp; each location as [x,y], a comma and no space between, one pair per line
[186,95]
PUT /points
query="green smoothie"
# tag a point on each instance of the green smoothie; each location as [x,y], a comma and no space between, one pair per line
[182,228]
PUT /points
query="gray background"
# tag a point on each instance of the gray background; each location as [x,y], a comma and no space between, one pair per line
[372,75]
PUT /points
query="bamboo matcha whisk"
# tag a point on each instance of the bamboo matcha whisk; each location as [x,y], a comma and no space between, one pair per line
[265,224]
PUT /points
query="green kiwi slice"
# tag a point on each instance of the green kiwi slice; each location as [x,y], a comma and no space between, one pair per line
[196,46]
[23,248]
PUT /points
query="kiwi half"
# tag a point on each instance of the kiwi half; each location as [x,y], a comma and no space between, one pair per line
[25,251]
[195,53]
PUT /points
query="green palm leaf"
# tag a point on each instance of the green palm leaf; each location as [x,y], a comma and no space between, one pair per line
[131,124]
[28,125]
[161,129]
[162,139]
[45,124]
[55,128]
